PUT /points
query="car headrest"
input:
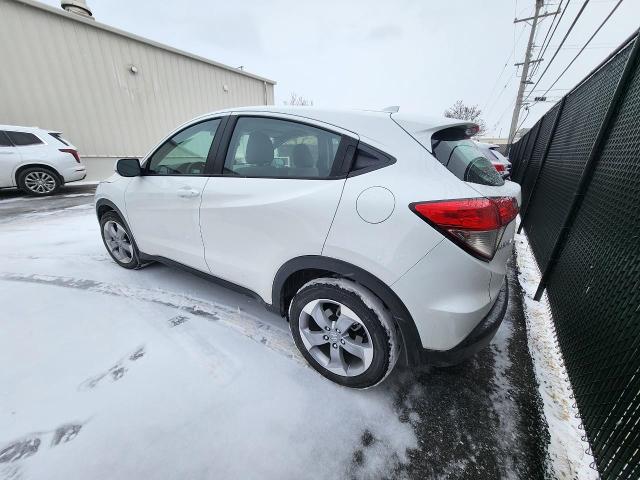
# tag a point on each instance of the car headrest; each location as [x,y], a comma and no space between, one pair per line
[259,149]
[301,156]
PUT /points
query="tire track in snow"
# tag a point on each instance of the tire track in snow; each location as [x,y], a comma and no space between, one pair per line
[233,318]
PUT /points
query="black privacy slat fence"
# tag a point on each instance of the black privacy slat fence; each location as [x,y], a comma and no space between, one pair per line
[579,169]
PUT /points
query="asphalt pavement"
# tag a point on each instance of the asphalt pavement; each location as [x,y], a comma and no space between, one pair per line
[14,202]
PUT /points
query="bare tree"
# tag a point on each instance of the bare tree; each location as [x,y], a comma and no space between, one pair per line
[464,112]
[298,100]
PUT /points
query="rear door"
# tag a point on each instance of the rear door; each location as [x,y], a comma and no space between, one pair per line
[278,186]
[9,159]
[163,204]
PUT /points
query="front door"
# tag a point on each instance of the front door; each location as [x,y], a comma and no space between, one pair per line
[274,200]
[163,204]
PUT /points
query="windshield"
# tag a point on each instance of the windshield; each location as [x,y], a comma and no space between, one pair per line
[463,158]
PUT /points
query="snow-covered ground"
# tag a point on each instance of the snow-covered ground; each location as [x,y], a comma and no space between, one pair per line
[111,373]
[157,384]
[567,450]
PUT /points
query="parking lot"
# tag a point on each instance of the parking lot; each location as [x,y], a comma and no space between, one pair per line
[157,373]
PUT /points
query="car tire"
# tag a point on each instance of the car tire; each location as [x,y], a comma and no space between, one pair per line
[344,332]
[119,242]
[39,181]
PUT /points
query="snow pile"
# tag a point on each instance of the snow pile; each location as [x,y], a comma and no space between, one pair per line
[110,373]
[566,452]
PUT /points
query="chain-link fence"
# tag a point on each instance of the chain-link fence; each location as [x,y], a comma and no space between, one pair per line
[579,168]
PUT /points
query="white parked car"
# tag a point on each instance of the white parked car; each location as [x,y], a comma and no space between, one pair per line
[37,161]
[378,235]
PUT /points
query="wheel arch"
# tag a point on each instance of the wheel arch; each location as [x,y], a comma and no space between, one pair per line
[103,206]
[300,270]
[22,168]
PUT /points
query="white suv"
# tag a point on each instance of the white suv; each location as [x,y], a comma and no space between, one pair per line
[37,161]
[379,236]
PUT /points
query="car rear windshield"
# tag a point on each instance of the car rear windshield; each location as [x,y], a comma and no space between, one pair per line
[494,151]
[58,136]
[463,158]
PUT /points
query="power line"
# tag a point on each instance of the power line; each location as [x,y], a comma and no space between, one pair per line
[544,47]
[575,20]
[525,67]
[583,47]
[515,42]
[504,89]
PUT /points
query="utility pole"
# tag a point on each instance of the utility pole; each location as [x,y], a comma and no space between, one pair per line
[525,69]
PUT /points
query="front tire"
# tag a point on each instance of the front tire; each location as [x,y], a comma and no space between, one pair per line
[39,181]
[344,332]
[118,241]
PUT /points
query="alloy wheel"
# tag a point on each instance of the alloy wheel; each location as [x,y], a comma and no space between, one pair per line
[336,337]
[118,242]
[40,182]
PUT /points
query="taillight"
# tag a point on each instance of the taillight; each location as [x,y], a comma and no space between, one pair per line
[72,152]
[475,224]
[500,167]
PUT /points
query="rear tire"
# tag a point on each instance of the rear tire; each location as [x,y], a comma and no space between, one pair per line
[344,332]
[119,242]
[39,181]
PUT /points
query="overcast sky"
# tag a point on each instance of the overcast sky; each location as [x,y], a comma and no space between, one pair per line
[422,55]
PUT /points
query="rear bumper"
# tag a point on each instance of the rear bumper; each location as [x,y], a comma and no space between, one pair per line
[478,339]
[74,174]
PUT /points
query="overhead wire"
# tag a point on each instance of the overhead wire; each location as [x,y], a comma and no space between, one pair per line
[583,47]
[547,39]
[566,35]
[503,69]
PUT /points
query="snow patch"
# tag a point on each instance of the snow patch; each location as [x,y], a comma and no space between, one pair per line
[506,411]
[205,400]
[566,450]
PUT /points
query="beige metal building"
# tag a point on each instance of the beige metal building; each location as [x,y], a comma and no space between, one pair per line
[113,94]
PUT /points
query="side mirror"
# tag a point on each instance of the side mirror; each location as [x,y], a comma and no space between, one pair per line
[128,167]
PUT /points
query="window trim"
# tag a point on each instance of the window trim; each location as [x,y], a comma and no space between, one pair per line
[215,143]
[341,163]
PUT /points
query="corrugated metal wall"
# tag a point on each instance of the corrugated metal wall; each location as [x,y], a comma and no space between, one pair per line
[74,76]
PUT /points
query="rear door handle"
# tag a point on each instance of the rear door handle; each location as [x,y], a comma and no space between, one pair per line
[188,192]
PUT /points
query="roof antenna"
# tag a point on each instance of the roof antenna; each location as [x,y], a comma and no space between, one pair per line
[392,109]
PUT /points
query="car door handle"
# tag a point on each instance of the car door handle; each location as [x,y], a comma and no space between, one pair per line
[188,192]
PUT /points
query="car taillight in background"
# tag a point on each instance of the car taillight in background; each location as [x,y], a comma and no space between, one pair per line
[500,167]
[475,224]
[72,152]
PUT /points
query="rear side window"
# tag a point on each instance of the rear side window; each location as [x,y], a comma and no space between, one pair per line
[368,159]
[463,158]
[4,140]
[22,139]
[58,137]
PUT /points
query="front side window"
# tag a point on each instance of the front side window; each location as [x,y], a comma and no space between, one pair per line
[186,152]
[23,139]
[463,158]
[267,147]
